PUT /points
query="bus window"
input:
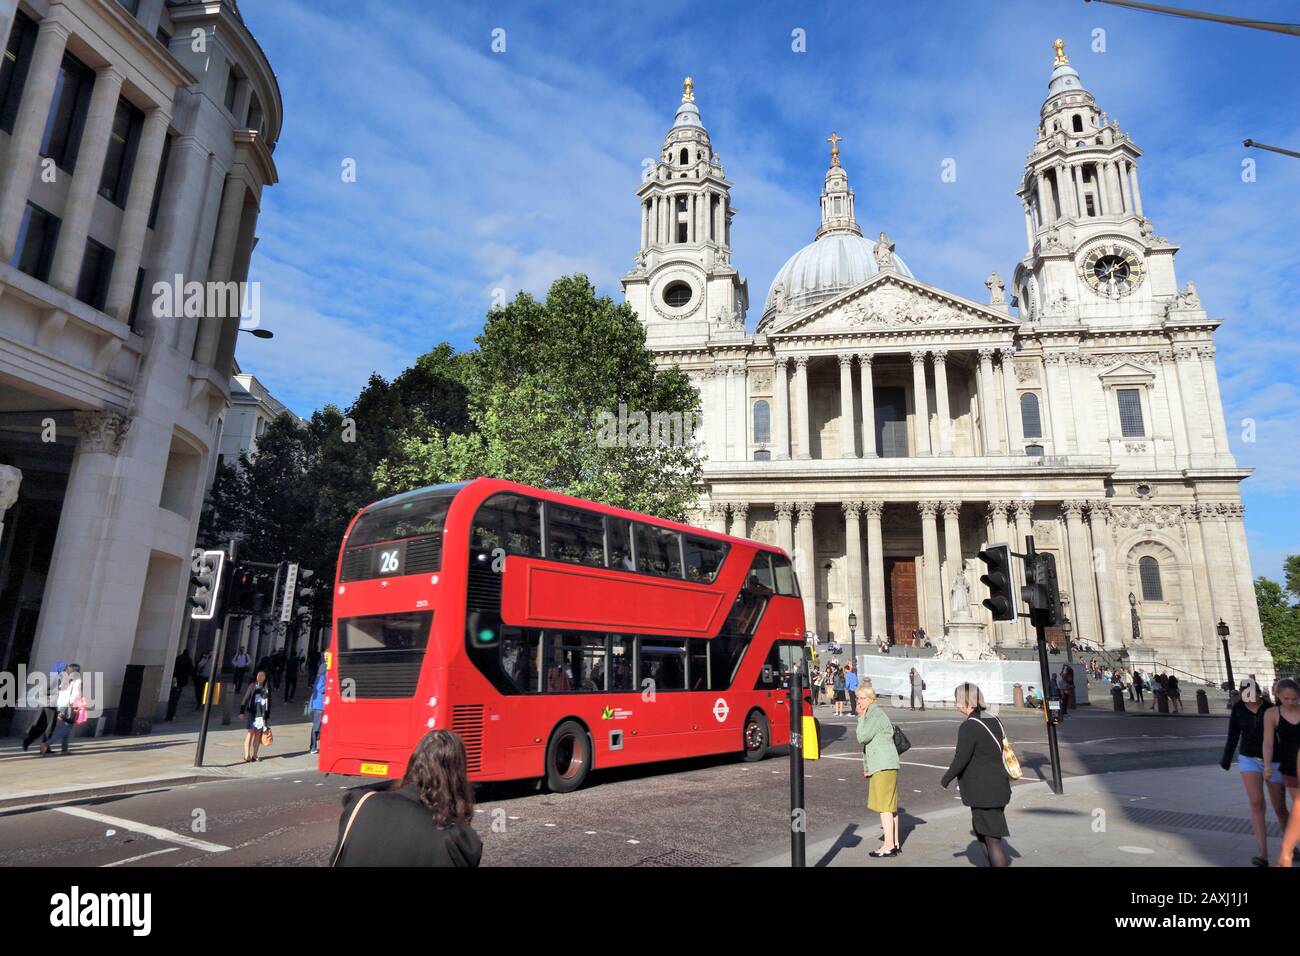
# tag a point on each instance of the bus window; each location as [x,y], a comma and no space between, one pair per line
[620,543]
[575,536]
[783,657]
[403,519]
[703,558]
[663,660]
[620,662]
[760,574]
[519,655]
[725,653]
[698,663]
[575,662]
[658,551]
[512,522]
[786,583]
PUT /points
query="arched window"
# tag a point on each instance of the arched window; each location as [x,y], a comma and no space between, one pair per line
[1030,418]
[685,157]
[762,422]
[1078,123]
[1149,572]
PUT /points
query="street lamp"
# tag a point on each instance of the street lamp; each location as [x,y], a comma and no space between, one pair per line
[853,638]
[1068,627]
[260,333]
[1222,628]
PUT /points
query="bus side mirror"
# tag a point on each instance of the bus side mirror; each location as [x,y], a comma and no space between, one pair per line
[767,673]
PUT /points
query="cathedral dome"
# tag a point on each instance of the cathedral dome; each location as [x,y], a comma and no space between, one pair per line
[824,269]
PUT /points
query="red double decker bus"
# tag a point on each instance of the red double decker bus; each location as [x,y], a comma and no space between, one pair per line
[554,635]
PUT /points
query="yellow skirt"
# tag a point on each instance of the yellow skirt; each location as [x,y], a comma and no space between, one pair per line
[882,791]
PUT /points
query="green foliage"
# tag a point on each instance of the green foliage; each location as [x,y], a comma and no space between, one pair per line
[1280,619]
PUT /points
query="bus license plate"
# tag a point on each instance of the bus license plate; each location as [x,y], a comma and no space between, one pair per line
[375,769]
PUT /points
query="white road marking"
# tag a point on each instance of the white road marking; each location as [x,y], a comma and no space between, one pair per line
[158,833]
[143,856]
[932,766]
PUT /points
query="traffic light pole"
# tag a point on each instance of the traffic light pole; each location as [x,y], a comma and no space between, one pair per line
[1058,787]
[798,818]
[1041,612]
[214,671]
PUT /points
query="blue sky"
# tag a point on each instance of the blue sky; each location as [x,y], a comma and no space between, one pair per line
[479,170]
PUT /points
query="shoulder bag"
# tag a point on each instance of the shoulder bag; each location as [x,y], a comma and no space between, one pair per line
[348,829]
[901,743]
[1010,762]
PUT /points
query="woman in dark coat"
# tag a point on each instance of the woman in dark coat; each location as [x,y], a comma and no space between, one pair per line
[981,777]
[255,708]
[422,821]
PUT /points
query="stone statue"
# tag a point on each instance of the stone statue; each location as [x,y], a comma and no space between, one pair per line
[959,603]
[884,251]
[778,298]
[997,289]
[1190,298]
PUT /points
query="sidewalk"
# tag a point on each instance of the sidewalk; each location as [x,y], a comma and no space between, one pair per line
[1186,816]
[111,764]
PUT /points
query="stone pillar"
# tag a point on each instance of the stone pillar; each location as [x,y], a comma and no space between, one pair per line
[1174,401]
[1010,404]
[71,248]
[718,411]
[988,401]
[717,517]
[1199,435]
[19,165]
[1057,390]
[1200,619]
[921,403]
[1001,534]
[738,403]
[223,260]
[868,405]
[934,603]
[1029,223]
[1069,201]
[847,428]
[942,408]
[853,556]
[1248,626]
[1218,427]
[740,519]
[1137,193]
[1083,597]
[1105,571]
[951,546]
[1099,185]
[1121,169]
[1046,211]
[645,225]
[805,554]
[1223,593]
[1076,178]
[785,525]
[804,413]
[1024,511]
[781,409]
[876,568]
[130,237]
[10,480]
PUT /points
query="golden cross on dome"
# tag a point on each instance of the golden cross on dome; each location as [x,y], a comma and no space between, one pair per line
[1061,58]
[688,90]
[835,139]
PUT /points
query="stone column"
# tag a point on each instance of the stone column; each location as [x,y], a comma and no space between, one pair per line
[1029,223]
[1056,387]
[921,403]
[847,427]
[942,408]
[1076,178]
[951,545]
[781,409]
[1063,187]
[1199,436]
[1248,625]
[1001,534]
[1083,597]
[1223,593]
[803,415]
[1015,428]
[1024,511]
[785,525]
[805,554]
[71,248]
[718,411]
[1105,571]
[20,161]
[1046,211]
[1174,401]
[10,479]
[934,603]
[1099,186]
[1137,193]
[988,401]
[876,568]
[130,237]
[1218,427]
[868,405]
[223,260]
[853,556]
[717,517]
[740,519]
[738,402]
[1200,619]
[1121,168]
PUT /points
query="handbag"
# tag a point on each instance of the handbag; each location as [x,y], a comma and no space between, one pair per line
[901,743]
[348,829]
[79,710]
[267,737]
[1010,762]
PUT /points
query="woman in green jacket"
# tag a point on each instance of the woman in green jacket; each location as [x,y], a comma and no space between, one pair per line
[879,766]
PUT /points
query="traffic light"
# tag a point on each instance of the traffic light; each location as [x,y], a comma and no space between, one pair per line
[1002,595]
[1041,591]
[206,578]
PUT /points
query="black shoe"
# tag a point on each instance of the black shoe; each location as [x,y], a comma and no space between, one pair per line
[881,854]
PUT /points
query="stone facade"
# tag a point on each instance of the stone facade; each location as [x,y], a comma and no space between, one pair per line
[883,430]
[109,405]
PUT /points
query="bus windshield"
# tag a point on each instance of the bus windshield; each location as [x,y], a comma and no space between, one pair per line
[411,518]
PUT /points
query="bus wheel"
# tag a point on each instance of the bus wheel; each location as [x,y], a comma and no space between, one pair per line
[568,757]
[756,736]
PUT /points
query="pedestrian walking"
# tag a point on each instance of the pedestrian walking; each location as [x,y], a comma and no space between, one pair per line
[1281,743]
[980,773]
[182,673]
[291,665]
[850,684]
[48,716]
[422,821]
[317,711]
[837,684]
[1246,735]
[70,710]
[1139,686]
[880,765]
[1157,690]
[917,686]
[1067,689]
[241,663]
[1175,695]
[255,708]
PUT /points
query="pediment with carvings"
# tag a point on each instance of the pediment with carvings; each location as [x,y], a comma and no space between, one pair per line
[892,303]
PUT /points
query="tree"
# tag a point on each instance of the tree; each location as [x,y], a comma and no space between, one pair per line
[1280,621]
[563,394]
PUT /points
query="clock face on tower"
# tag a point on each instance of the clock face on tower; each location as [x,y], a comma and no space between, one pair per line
[1112,270]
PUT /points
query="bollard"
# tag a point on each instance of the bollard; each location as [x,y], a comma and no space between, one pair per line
[1117,698]
[1018,696]
[1202,703]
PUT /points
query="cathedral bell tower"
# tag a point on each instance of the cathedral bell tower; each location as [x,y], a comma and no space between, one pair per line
[682,284]
[1092,252]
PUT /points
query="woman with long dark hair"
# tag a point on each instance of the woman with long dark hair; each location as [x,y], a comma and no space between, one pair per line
[423,820]
[1246,737]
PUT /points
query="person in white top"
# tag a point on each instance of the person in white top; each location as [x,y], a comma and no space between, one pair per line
[242,662]
[68,705]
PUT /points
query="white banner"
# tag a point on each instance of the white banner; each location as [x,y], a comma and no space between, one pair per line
[997,679]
